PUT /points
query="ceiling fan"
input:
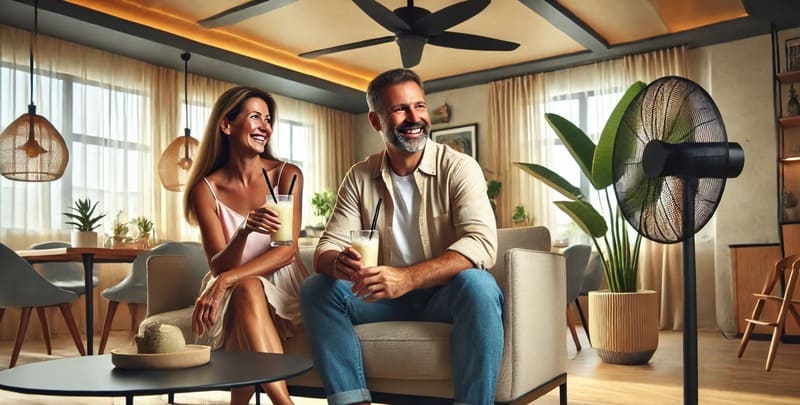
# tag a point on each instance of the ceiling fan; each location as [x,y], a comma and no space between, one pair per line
[413,27]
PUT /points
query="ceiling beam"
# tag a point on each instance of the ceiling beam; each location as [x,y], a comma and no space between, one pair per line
[242,12]
[568,23]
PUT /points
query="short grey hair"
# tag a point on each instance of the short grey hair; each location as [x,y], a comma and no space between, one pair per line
[385,80]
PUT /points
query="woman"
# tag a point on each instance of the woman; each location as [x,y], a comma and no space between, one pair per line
[250,298]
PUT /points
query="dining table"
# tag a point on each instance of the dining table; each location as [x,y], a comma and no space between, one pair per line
[88,256]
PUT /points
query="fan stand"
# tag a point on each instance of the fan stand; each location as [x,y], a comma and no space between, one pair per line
[690,162]
[689,294]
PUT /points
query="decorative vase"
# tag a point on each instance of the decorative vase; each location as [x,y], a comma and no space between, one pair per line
[793,107]
[83,239]
[624,326]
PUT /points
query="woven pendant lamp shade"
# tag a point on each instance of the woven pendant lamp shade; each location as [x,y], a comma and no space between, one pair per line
[176,160]
[31,149]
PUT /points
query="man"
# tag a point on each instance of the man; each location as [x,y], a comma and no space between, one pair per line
[437,233]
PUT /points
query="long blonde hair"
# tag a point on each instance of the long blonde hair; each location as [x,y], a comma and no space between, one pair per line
[214,149]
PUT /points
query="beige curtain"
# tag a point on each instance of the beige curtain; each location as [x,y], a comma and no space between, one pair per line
[516,121]
[110,92]
[660,266]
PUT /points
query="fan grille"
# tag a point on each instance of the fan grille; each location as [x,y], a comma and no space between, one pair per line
[674,110]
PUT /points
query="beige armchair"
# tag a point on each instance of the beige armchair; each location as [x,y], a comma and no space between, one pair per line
[408,360]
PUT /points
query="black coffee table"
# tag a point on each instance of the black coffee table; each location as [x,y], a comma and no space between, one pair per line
[96,375]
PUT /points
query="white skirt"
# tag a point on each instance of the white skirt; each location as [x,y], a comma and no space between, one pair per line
[282,291]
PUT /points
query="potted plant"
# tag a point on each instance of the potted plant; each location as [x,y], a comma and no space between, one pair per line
[85,221]
[624,320]
[144,227]
[519,217]
[789,206]
[119,231]
[492,191]
[323,203]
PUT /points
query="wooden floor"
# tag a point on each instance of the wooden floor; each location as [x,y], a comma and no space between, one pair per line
[723,378]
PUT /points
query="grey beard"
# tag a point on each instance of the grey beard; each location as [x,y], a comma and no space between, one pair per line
[407,145]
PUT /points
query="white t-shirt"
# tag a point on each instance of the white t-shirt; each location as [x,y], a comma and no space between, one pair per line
[407,244]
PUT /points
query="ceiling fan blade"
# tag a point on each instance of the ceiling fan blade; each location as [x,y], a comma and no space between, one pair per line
[449,16]
[411,49]
[347,47]
[242,12]
[382,15]
[470,41]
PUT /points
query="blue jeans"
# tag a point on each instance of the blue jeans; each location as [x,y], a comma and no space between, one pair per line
[472,302]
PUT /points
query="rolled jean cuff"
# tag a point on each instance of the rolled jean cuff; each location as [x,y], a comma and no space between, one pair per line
[350,397]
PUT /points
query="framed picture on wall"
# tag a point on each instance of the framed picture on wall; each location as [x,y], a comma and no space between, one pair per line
[461,138]
[792,54]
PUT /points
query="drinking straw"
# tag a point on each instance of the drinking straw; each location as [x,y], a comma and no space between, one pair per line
[269,185]
[375,218]
[291,185]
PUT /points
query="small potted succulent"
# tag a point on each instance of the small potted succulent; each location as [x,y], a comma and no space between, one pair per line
[519,217]
[85,220]
[144,229]
[323,203]
[119,231]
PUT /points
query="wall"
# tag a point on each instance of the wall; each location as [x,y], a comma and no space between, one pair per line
[738,75]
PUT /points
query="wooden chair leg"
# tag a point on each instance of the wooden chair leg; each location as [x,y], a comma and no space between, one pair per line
[777,330]
[748,330]
[24,317]
[45,329]
[571,324]
[133,309]
[66,311]
[584,321]
[112,309]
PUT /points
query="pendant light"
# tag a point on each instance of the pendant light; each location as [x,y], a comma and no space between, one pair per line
[31,149]
[175,162]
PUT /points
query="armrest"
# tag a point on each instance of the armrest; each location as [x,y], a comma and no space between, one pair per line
[173,282]
[534,319]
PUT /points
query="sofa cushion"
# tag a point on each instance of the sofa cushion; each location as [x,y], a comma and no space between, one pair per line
[386,347]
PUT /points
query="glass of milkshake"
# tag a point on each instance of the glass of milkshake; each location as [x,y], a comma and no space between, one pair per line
[366,243]
[285,210]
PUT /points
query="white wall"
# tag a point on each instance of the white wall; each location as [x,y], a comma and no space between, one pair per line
[738,75]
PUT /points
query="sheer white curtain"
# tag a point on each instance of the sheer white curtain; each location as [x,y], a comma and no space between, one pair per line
[117,115]
[585,95]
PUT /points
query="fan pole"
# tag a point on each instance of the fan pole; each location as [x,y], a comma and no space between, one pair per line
[689,294]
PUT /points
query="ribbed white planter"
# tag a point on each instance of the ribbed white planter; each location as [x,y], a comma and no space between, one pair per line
[624,326]
[83,239]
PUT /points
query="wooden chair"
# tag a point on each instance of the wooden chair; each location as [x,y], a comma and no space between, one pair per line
[771,292]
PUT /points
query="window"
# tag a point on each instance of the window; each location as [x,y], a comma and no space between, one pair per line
[108,150]
[589,111]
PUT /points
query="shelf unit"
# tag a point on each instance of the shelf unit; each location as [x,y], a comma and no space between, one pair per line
[787,128]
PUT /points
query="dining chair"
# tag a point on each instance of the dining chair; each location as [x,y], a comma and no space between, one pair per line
[133,288]
[576,257]
[67,276]
[592,280]
[786,270]
[22,287]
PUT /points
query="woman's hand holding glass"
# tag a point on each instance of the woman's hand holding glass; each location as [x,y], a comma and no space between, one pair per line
[262,220]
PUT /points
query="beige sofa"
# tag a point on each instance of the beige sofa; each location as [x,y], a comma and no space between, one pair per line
[406,361]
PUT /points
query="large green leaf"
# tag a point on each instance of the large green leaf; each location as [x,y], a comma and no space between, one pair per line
[552,179]
[579,145]
[602,175]
[586,216]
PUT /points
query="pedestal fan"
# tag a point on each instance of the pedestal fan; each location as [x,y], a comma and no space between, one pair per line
[671,159]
